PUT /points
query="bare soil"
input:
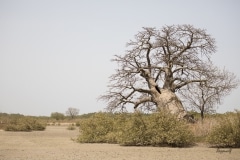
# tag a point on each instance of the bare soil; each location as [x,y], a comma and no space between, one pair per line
[55,143]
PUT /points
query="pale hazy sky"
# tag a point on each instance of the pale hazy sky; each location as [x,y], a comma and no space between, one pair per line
[56,54]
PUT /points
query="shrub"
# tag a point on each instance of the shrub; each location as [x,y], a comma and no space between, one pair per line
[95,128]
[156,129]
[25,124]
[71,127]
[35,124]
[227,132]
[119,122]
[57,116]
[18,127]
[136,129]
[166,129]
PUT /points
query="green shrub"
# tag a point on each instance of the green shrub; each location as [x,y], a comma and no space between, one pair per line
[18,127]
[35,124]
[227,132]
[166,129]
[96,128]
[57,116]
[119,122]
[136,129]
[24,124]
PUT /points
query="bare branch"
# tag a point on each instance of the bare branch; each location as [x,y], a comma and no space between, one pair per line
[140,101]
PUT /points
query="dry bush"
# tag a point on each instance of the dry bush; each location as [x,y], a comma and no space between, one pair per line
[227,132]
[95,128]
[119,126]
[24,124]
[71,127]
[135,130]
[201,129]
[167,129]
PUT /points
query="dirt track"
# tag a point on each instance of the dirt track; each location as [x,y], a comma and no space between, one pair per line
[55,144]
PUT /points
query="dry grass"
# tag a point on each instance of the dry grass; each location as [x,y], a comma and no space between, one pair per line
[201,129]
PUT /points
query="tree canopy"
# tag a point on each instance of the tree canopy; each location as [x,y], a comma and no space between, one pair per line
[72,112]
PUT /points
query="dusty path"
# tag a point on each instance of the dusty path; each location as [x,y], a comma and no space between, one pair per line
[55,144]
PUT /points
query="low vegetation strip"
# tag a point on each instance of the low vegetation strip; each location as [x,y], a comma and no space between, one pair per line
[139,129]
[55,143]
[160,129]
[136,130]
[24,124]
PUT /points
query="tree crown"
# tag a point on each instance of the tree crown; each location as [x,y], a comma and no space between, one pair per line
[170,58]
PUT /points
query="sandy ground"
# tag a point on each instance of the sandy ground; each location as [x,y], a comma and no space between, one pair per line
[55,143]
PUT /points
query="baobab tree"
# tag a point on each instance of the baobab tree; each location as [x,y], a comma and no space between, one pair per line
[157,64]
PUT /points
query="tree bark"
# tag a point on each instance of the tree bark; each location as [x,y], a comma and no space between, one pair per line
[202,114]
[165,98]
[168,101]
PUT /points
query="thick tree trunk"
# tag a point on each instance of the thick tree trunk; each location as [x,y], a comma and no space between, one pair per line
[169,101]
[164,98]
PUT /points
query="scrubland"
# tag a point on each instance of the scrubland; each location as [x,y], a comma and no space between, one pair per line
[60,141]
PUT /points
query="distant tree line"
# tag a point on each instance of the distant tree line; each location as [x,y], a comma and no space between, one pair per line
[71,112]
